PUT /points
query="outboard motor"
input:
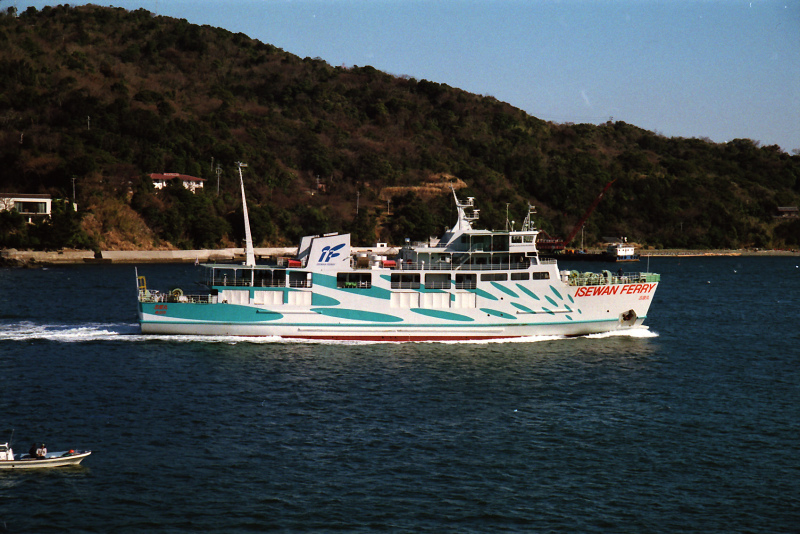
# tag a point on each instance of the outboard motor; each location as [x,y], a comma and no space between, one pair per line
[6,453]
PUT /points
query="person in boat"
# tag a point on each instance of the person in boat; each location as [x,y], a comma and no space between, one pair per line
[33,451]
[41,452]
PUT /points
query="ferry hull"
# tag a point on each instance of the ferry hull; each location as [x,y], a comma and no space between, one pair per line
[379,334]
[555,311]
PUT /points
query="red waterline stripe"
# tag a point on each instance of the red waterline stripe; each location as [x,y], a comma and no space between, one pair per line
[400,338]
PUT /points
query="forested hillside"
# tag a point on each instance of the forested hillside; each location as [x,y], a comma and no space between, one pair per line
[105,96]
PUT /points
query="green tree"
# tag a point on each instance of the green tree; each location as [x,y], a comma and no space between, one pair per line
[410,219]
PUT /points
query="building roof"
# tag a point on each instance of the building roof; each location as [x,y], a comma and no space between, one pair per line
[24,195]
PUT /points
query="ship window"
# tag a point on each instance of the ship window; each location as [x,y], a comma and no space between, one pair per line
[354,280]
[245,277]
[494,277]
[437,281]
[269,278]
[299,279]
[500,243]
[540,276]
[520,276]
[405,280]
[466,281]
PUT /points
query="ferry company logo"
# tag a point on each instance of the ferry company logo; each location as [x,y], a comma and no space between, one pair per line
[627,289]
[328,253]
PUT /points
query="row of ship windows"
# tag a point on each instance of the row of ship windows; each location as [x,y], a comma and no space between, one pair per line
[434,280]
[497,242]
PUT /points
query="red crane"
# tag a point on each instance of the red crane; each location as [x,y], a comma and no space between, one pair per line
[554,243]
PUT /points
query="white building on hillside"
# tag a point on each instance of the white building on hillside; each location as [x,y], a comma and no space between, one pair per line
[191,183]
[30,206]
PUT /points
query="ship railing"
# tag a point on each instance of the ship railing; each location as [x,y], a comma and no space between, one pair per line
[227,282]
[265,282]
[438,285]
[199,299]
[423,266]
[576,278]
[268,283]
[149,296]
[157,296]
[357,285]
[406,285]
[465,285]
[446,266]
[245,282]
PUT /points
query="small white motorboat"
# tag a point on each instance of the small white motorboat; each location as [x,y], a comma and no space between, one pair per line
[51,459]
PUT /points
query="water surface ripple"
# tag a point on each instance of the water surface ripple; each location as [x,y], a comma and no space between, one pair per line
[690,427]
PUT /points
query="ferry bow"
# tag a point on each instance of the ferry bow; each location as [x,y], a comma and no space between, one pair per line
[470,285]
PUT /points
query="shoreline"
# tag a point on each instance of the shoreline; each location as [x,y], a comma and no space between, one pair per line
[672,253]
[36,258]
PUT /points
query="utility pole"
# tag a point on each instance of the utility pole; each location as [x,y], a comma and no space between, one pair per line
[582,227]
[73,187]
[219,171]
[88,122]
[358,194]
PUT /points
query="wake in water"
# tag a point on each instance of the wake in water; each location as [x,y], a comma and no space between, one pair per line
[633,332]
[28,331]
[105,332]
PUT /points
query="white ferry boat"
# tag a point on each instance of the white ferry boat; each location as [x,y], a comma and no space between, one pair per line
[470,285]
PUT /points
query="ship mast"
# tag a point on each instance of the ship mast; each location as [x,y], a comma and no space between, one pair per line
[250,255]
[465,220]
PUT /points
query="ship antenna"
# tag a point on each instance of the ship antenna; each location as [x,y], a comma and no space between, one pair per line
[250,256]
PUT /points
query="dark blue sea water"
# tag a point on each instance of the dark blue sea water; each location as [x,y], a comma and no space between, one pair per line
[691,427]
